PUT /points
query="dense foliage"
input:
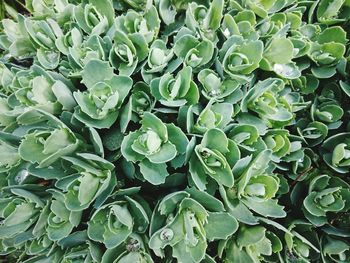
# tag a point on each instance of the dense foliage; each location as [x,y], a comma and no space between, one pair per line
[175,131]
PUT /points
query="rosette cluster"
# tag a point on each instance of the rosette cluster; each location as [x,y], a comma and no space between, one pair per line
[190,131]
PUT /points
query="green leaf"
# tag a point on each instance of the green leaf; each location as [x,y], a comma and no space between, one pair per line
[177,137]
[153,173]
[96,141]
[251,235]
[63,95]
[166,153]
[220,226]
[129,154]
[215,139]
[105,7]
[280,51]
[96,71]
[269,208]
[88,188]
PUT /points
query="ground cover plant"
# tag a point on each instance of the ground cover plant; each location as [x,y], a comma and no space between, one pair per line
[174,131]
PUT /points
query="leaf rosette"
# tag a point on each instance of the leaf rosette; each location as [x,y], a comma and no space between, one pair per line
[80,54]
[93,180]
[99,104]
[44,90]
[46,146]
[169,9]
[214,115]
[194,52]
[73,38]
[278,141]
[185,220]
[8,114]
[175,91]
[327,111]
[279,22]
[331,12]
[114,223]
[136,5]
[313,133]
[41,9]
[94,17]
[205,20]
[60,221]
[141,98]
[335,250]
[159,58]
[252,244]
[327,51]
[134,249]
[6,77]
[43,35]
[140,101]
[146,24]
[248,138]
[263,98]
[216,88]
[254,191]
[241,24]
[261,8]
[213,159]
[326,196]
[30,204]
[153,146]
[15,38]
[240,57]
[127,51]
[78,248]
[301,241]
[298,161]
[336,152]
[20,211]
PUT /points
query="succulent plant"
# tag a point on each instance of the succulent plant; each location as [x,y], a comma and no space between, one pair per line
[190,131]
